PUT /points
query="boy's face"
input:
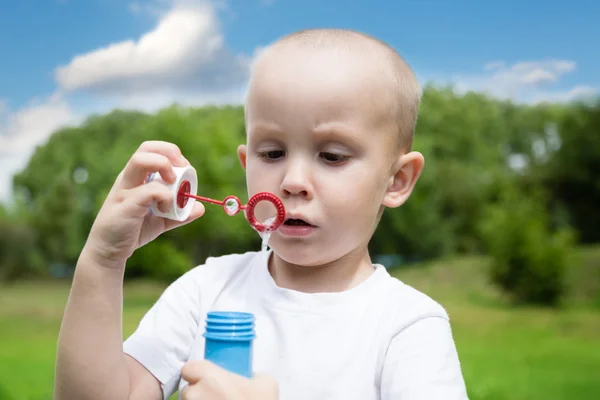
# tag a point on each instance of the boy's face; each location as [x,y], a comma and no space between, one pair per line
[318,139]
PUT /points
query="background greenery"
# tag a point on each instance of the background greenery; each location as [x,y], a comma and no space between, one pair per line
[502,229]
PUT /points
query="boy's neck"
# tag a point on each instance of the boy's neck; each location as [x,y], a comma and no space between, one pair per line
[338,276]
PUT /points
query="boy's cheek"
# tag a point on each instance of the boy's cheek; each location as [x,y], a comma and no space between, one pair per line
[259,180]
[351,192]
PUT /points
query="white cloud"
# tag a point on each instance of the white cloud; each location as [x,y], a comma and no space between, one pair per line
[184,59]
[186,52]
[21,131]
[528,81]
[580,92]
[9,166]
[30,125]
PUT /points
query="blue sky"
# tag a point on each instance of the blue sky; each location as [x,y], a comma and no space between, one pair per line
[528,50]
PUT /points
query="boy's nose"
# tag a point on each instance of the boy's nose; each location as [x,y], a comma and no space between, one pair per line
[296,182]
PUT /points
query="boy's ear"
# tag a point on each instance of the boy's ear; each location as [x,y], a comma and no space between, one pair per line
[241,152]
[407,171]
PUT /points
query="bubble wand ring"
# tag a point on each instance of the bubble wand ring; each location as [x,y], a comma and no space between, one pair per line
[276,201]
[232,205]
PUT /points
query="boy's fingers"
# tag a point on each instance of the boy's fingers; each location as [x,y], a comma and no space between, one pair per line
[207,379]
[141,164]
[191,393]
[265,385]
[153,156]
[194,371]
[169,150]
[197,212]
[143,196]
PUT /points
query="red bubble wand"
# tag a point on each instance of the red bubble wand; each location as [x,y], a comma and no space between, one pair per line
[232,205]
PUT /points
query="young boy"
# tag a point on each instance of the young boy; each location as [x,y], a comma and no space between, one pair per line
[330,117]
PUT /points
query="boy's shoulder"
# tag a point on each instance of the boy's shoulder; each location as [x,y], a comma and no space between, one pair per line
[405,304]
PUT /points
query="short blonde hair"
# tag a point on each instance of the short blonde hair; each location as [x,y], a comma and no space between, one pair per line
[406,92]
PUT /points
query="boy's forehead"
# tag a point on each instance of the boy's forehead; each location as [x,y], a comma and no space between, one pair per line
[320,84]
[291,64]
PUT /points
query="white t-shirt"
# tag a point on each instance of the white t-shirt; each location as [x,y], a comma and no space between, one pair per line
[380,340]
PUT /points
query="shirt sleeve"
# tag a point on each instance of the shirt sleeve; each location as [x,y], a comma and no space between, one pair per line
[166,333]
[422,364]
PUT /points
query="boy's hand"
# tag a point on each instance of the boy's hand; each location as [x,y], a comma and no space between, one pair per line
[124,222]
[208,381]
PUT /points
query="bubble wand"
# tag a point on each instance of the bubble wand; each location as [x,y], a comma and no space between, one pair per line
[232,206]
[185,187]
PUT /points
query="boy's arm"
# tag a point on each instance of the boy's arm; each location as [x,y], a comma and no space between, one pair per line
[143,384]
[90,360]
[422,364]
[91,363]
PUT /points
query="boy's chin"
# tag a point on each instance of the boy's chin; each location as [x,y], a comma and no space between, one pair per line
[307,256]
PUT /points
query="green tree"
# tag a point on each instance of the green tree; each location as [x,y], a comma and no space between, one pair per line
[528,257]
[572,174]
[19,252]
[67,180]
[467,142]
[474,148]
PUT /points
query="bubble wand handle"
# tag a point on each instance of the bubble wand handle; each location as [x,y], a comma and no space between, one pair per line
[224,203]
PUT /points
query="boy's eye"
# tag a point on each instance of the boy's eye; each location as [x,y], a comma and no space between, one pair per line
[333,158]
[272,155]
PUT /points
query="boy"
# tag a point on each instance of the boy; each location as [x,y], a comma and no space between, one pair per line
[330,116]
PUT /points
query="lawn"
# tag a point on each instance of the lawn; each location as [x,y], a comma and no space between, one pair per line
[506,353]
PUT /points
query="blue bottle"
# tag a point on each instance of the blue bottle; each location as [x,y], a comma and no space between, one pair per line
[229,336]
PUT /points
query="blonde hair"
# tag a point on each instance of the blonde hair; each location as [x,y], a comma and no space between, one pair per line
[405,89]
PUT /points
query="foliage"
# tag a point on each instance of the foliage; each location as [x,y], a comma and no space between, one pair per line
[159,259]
[66,182]
[461,139]
[475,149]
[572,176]
[528,260]
[19,253]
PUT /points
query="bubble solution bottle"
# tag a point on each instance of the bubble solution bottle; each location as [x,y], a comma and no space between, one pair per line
[229,337]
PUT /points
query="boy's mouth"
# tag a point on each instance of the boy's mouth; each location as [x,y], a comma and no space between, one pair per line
[296,222]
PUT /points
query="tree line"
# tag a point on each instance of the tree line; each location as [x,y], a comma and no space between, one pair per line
[518,182]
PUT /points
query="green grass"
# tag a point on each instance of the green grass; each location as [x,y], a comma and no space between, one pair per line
[526,352]
[506,353]
[30,315]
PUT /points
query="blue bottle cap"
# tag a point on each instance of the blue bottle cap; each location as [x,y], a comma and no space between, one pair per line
[230,326]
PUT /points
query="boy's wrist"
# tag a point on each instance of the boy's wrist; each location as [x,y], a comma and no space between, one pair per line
[90,254]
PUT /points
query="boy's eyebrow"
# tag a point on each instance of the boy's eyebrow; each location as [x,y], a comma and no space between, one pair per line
[328,131]
[338,132]
[264,128]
